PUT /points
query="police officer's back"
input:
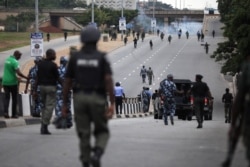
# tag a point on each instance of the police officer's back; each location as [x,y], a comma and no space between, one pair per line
[90,75]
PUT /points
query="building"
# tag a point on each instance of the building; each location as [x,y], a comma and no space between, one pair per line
[114,4]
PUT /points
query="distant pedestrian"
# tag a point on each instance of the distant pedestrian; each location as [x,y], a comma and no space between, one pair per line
[187,34]
[125,40]
[162,36]
[150,74]
[213,33]
[179,34]
[135,42]
[142,36]
[206,47]
[151,44]
[48,36]
[200,90]
[227,99]
[90,89]
[36,103]
[119,95]
[202,37]
[10,83]
[47,78]
[198,35]
[143,74]
[65,36]
[169,39]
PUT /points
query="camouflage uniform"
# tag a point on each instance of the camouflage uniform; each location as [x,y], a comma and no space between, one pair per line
[36,103]
[167,89]
[59,94]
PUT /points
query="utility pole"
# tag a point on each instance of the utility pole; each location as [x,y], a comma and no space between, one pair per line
[36,15]
[92,13]
[122,18]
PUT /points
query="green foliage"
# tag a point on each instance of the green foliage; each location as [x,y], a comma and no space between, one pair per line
[236,17]
[106,16]
[20,22]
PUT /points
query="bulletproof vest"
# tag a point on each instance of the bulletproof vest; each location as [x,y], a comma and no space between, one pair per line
[200,89]
[90,71]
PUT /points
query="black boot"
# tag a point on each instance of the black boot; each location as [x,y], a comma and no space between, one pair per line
[85,164]
[96,157]
[44,129]
[172,120]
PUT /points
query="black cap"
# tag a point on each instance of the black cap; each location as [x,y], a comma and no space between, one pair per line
[199,76]
[90,34]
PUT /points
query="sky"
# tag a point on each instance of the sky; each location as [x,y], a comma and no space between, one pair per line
[192,4]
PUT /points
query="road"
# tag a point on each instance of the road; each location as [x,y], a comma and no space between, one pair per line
[139,142]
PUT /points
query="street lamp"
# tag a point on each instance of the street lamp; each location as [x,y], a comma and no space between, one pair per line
[92,12]
[122,18]
[36,15]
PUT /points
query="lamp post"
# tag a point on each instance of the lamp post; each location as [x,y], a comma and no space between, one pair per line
[122,18]
[92,12]
[36,15]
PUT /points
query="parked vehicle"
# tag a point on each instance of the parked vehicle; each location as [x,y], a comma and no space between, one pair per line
[184,102]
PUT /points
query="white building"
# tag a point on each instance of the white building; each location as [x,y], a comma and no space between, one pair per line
[114,4]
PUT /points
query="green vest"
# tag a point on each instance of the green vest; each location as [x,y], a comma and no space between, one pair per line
[9,74]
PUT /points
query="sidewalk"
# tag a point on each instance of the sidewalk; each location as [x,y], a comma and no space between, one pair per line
[103,46]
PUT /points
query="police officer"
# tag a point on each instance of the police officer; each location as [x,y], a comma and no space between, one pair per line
[90,89]
[200,90]
[167,91]
[47,78]
[150,74]
[145,96]
[227,99]
[143,74]
[36,103]
[59,95]
[119,94]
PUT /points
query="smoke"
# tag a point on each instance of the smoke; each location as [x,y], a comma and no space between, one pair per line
[143,22]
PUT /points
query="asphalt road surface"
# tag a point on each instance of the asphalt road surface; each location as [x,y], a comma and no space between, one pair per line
[140,142]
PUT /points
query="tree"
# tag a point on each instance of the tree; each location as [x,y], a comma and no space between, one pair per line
[236,17]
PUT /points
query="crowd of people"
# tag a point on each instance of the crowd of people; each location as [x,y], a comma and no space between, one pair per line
[52,86]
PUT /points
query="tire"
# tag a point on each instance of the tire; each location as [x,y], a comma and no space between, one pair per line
[206,117]
[189,118]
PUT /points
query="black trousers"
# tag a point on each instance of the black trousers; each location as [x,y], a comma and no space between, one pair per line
[13,91]
[118,104]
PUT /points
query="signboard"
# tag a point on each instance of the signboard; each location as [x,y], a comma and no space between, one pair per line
[122,23]
[153,23]
[36,44]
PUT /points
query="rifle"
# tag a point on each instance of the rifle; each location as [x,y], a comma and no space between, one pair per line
[232,142]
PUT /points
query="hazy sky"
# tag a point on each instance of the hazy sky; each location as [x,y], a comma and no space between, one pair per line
[193,4]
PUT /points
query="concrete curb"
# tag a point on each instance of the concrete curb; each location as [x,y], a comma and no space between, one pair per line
[22,121]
